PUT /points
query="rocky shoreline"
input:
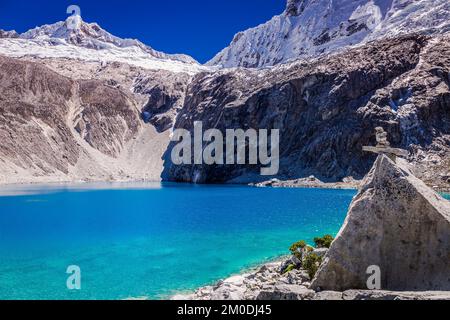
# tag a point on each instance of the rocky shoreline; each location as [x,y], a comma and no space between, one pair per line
[309,182]
[313,182]
[269,283]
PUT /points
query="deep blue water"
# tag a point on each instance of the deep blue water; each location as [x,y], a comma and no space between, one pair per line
[151,240]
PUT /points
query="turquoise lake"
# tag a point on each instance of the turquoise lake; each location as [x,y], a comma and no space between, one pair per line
[151,241]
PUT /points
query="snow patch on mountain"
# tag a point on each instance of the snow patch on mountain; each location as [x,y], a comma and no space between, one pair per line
[310,28]
[88,41]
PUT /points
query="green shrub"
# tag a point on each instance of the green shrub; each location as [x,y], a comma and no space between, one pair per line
[324,242]
[296,249]
[311,264]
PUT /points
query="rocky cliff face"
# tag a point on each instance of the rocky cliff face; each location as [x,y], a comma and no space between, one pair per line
[311,28]
[327,109]
[165,97]
[396,223]
[33,109]
[107,118]
[56,128]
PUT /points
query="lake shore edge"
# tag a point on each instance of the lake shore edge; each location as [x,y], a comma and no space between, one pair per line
[269,282]
[310,182]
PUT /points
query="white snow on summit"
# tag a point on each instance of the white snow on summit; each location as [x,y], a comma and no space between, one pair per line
[309,28]
[306,29]
[88,41]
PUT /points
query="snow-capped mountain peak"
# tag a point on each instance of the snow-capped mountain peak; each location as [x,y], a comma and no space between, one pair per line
[8,34]
[309,28]
[76,39]
[77,32]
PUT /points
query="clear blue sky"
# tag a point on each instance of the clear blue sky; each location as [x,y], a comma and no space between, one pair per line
[200,28]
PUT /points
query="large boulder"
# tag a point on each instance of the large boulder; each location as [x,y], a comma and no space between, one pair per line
[397,223]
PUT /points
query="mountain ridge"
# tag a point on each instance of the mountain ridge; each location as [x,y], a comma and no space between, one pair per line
[310,28]
[91,35]
[89,42]
[306,29]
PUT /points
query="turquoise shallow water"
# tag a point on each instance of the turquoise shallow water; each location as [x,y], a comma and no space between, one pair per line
[151,240]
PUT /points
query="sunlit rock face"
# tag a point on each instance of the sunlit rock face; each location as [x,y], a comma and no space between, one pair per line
[327,110]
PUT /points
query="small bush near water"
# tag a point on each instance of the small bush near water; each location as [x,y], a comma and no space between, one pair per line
[324,242]
[310,260]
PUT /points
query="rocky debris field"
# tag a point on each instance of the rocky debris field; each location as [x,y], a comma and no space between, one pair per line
[267,283]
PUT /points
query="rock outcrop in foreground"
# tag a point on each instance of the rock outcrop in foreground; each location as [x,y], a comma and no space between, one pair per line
[397,223]
[267,283]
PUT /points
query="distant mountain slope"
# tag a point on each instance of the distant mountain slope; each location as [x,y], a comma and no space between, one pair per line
[77,121]
[88,41]
[312,27]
